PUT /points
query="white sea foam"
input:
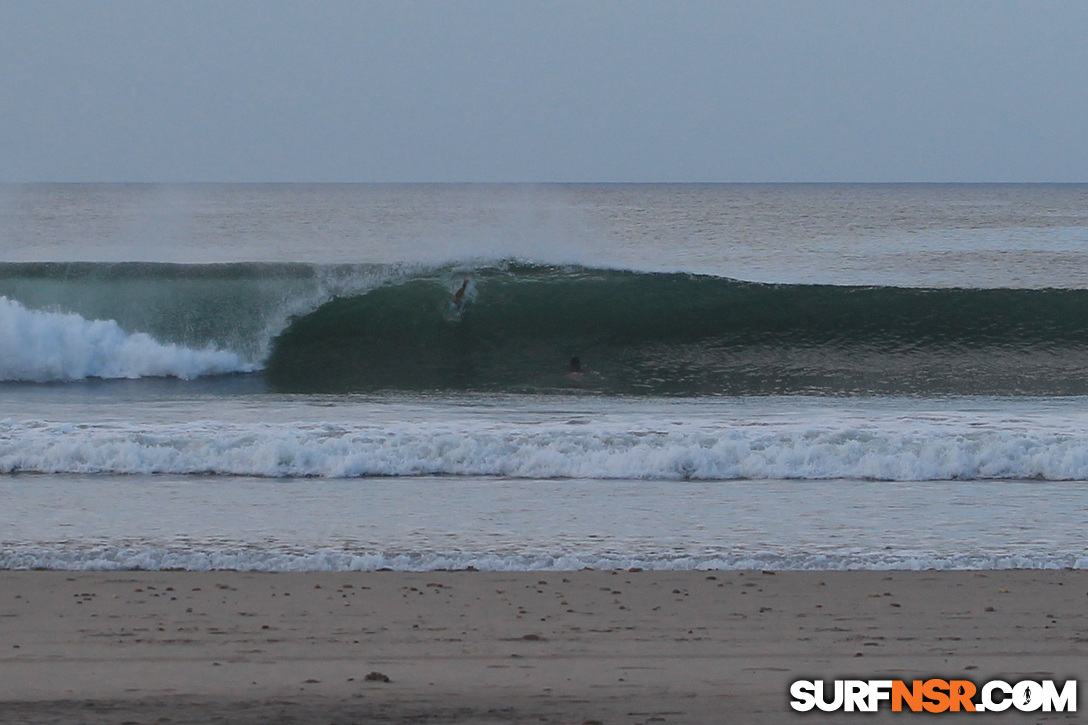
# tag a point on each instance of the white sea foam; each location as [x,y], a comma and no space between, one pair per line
[153,557]
[918,452]
[42,346]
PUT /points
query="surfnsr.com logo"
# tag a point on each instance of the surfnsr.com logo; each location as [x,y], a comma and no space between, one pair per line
[933,695]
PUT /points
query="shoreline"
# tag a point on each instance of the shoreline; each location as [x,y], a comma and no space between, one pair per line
[540,646]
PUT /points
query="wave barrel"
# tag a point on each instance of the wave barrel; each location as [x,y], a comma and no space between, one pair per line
[681,334]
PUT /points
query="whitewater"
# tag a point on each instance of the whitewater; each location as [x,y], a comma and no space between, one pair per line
[55,346]
[802,377]
[881,447]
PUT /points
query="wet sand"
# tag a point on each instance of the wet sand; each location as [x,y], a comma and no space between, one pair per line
[524,647]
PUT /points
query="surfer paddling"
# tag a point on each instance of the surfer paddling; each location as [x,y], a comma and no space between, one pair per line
[574,368]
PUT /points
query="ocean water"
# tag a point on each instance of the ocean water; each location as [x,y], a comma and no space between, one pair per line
[282,377]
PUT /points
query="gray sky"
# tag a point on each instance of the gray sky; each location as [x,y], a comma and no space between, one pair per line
[519,90]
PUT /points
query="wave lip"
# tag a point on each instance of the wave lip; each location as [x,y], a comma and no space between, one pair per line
[55,346]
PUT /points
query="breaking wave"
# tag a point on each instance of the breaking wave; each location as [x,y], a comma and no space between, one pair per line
[53,346]
[681,334]
[328,450]
[348,328]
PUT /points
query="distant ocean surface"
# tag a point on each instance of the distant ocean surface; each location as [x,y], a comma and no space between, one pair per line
[285,377]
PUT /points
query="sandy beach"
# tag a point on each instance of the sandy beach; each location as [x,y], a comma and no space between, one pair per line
[491,647]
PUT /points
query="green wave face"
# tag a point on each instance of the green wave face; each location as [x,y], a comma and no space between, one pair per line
[350,328]
[677,334]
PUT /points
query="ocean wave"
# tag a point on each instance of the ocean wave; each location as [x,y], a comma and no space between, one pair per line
[681,334]
[53,346]
[351,328]
[740,453]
